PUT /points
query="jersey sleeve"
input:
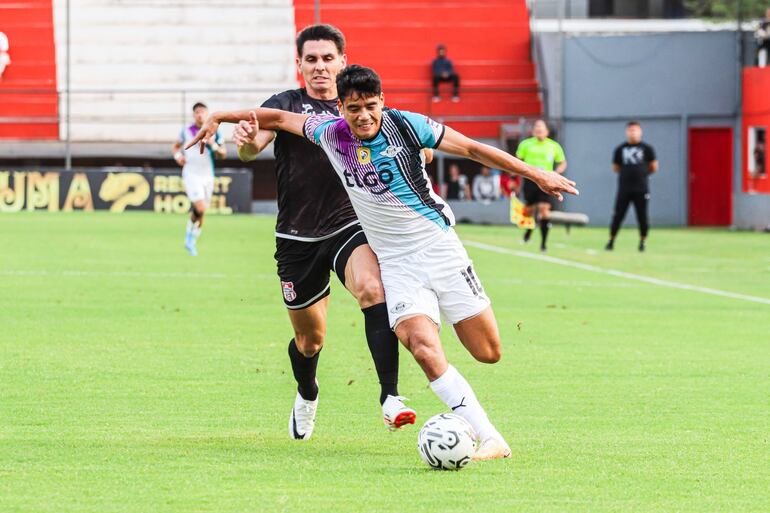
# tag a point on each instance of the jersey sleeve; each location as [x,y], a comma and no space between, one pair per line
[218,139]
[649,153]
[616,156]
[316,125]
[180,138]
[558,153]
[428,131]
[274,102]
[521,151]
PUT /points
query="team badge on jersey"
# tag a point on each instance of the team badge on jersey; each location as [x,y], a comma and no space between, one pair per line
[391,151]
[364,154]
[288,291]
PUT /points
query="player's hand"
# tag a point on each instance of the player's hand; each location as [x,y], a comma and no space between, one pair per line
[554,184]
[206,134]
[180,160]
[246,131]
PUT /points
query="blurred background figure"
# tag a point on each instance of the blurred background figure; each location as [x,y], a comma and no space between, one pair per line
[197,173]
[5,58]
[456,187]
[634,161]
[762,36]
[486,186]
[443,71]
[545,153]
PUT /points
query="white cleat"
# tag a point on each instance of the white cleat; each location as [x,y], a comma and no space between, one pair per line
[492,448]
[302,419]
[395,414]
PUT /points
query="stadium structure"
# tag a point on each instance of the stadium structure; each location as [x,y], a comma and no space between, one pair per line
[99,86]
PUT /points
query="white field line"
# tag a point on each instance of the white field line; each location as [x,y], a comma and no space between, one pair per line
[619,274]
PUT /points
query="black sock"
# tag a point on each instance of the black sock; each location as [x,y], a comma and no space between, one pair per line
[527,235]
[383,345]
[304,369]
[544,231]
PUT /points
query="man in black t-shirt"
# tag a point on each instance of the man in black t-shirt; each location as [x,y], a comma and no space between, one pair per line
[317,231]
[634,161]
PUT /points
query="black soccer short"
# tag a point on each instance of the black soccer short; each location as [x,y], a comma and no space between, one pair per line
[304,267]
[534,194]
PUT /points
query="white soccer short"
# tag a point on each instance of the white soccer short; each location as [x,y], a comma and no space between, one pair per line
[436,281]
[198,187]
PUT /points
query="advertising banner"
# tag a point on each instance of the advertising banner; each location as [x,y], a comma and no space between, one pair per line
[117,190]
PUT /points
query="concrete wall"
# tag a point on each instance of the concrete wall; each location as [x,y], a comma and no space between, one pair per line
[670,82]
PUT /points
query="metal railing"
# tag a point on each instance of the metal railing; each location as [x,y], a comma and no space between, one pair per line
[184,98]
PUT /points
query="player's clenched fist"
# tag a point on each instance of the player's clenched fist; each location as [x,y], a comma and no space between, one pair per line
[246,131]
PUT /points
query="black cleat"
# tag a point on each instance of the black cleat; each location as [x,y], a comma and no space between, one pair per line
[641,246]
[610,246]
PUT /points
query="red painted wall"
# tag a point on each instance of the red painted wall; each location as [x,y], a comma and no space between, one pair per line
[488,41]
[26,113]
[756,112]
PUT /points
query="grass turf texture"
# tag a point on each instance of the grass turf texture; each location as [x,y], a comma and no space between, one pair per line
[136,378]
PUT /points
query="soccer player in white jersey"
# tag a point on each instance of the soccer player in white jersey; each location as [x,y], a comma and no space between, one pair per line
[425,270]
[197,173]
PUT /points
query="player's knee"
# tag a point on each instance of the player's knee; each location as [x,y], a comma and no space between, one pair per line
[309,343]
[369,292]
[422,346]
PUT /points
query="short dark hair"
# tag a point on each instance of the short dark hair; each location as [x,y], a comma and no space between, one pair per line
[199,104]
[633,123]
[358,79]
[321,32]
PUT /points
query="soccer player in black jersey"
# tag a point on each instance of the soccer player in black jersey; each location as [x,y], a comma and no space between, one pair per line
[634,161]
[317,232]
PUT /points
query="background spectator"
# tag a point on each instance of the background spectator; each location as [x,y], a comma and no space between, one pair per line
[5,59]
[759,160]
[762,36]
[443,71]
[509,185]
[456,187]
[486,186]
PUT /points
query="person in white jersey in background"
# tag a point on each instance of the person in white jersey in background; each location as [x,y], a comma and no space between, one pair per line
[197,173]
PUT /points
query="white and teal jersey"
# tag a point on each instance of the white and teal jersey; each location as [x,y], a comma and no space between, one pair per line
[386,180]
[197,164]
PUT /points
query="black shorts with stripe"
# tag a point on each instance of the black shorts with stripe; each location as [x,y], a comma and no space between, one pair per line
[304,267]
[534,194]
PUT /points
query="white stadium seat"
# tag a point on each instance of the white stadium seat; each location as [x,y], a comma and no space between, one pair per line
[138,67]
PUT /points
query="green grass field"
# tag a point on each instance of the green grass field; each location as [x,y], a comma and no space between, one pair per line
[134,378]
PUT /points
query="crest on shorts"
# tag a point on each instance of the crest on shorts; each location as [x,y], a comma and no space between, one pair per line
[400,307]
[364,154]
[288,291]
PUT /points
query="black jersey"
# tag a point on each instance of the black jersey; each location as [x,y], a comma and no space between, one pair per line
[312,203]
[634,162]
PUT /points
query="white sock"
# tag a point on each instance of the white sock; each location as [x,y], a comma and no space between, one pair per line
[196,229]
[457,393]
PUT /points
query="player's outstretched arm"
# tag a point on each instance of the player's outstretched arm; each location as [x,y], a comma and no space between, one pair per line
[268,119]
[457,144]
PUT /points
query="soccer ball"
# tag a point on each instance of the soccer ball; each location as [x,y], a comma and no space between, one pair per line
[447,442]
